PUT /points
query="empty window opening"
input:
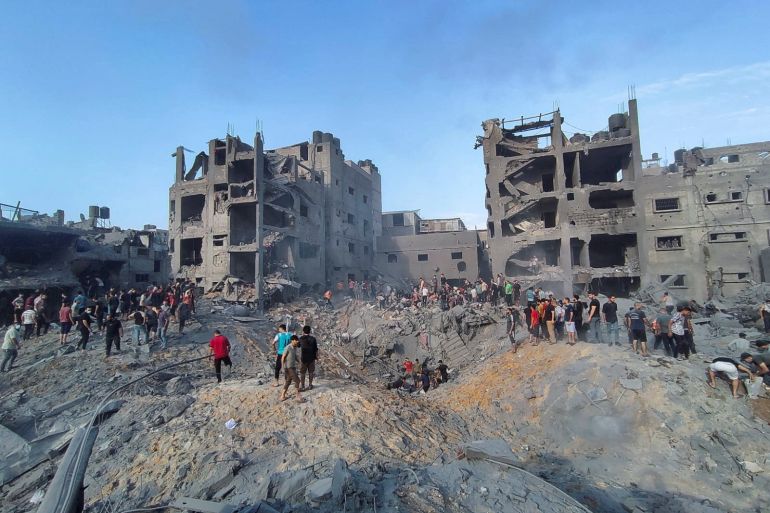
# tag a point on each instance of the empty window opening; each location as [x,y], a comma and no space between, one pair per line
[491,228]
[220,153]
[156,266]
[711,197]
[604,165]
[142,278]
[422,257]
[742,276]
[392,259]
[365,198]
[736,195]
[192,207]
[730,159]
[767,195]
[622,287]
[503,191]
[219,240]
[142,251]
[351,247]
[547,182]
[240,171]
[727,237]
[667,204]
[570,196]
[577,252]
[366,227]
[220,187]
[243,224]
[398,219]
[613,251]
[172,208]
[171,245]
[461,266]
[366,250]
[569,169]
[549,219]
[671,242]
[308,250]
[351,219]
[303,210]
[677,282]
[611,199]
[351,191]
[457,255]
[276,217]
[242,265]
[190,251]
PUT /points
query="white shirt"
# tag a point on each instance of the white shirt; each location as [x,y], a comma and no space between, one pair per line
[738,344]
[677,324]
[28,317]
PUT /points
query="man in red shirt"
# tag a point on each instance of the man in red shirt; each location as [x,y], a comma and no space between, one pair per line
[408,367]
[220,350]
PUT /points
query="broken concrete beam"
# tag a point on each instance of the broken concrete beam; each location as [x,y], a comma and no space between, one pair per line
[496,450]
[201,506]
[66,406]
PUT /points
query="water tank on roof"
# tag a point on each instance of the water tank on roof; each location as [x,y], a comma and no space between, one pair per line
[93,212]
[679,156]
[655,156]
[317,134]
[616,121]
[104,212]
[326,137]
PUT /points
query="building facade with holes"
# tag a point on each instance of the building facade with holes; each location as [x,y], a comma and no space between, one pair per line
[411,247]
[707,220]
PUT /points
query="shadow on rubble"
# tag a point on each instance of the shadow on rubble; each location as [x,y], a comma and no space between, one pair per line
[608,497]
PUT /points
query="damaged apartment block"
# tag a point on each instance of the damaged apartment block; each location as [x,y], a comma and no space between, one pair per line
[577,213]
[297,215]
[563,211]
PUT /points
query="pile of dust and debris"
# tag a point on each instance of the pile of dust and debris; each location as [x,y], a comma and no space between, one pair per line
[547,429]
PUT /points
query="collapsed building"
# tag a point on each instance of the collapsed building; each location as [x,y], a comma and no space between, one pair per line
[42,252]
[587,212]
[411,247]
[291,216]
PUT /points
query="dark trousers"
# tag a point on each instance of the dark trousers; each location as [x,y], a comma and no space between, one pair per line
[181,323]
[112,339]
[690,341]
[218,366]
[278,364]
[29,329]
[509,299]
[42,322]
[9,356]
[668,344]
[84,334]
[682,346]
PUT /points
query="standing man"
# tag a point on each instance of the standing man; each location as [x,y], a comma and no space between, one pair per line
[84,326]
[280,342]
[28,319]
[219,347]
[577,305]
[668,302]
[18,308]
[309,354]
[113,333]
[610,317]
[549,314]
[511,325]
[42,320]
[594,333]
[183,314]
[764,314]
[636,323]
[676,328]
[569,322]
[516,292]
[139,329]
[11,346]
[508,289]
[289,364]
[65,322]
[164,318]
[660,328]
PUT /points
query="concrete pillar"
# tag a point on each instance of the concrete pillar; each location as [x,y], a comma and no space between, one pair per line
[562,208]
[259,184]
[180,168]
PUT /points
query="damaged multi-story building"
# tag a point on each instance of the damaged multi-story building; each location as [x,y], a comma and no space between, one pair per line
[295,215]
[588,213]
[42,252]
[411,247]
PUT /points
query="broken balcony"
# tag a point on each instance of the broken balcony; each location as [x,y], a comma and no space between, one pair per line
[529,216]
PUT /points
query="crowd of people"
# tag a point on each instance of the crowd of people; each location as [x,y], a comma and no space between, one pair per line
[148,312]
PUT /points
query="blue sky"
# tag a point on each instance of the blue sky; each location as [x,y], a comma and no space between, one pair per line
[95,96]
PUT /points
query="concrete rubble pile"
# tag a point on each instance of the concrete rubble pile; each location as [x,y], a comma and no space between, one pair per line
[540,430]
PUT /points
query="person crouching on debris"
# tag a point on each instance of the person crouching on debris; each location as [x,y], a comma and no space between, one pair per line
[219,347]
[289,364]
[731,369]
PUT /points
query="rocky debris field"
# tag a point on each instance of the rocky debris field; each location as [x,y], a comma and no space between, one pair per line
[549,428]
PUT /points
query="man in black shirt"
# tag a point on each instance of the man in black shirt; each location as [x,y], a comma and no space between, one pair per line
[610,317]
[594,319]
[113,332]
[442,368]
[309,348]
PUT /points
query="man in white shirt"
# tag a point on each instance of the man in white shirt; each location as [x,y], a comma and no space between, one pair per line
[28,318]
[739,344]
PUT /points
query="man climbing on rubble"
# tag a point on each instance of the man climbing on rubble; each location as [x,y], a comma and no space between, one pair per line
[40,313]
[281,340]
[676,329]
[309,354]
[289,364]
[113,333]
[636,323]
[219,347]
[511,321]
[731,370]
[594,319]
[740,344]
[11,346]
